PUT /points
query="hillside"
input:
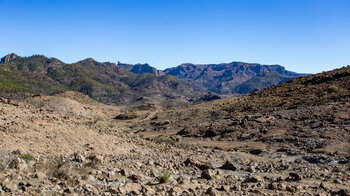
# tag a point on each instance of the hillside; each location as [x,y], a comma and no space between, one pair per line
[261,81]
[22,77]
[289,139]
[70,144]
[312,103]
[227,77]
[304,120]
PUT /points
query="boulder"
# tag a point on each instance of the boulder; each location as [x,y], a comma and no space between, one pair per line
[208,174]
[229,166]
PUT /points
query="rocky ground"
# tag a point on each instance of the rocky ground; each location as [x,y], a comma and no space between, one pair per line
[68,144]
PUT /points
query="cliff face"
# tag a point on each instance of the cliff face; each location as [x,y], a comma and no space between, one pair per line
[224,78]
[141,69]
[8,58]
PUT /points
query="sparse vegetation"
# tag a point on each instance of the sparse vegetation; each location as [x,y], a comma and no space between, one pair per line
[332,89]
[27,156]
[216,177]
[251,106]
[165,177]
[164,139]
[285,101]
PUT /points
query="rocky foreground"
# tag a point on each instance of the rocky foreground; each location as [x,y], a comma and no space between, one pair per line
[70,145]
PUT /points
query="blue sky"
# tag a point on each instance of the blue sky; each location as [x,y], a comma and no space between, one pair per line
[303,35]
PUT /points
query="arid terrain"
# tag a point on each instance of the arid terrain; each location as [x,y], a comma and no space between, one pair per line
[289,139]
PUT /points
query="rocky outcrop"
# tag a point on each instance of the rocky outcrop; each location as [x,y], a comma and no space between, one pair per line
[224,78]
[8,58]
[141,69]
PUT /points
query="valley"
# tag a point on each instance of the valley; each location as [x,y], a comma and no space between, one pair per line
[288,139]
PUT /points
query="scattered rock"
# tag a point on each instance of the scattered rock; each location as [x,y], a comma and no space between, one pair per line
[79,158]
[294,177]
[131,188]
[212,191]
[18,163]
[254,179]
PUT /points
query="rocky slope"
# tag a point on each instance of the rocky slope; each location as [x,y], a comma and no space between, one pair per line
[22,77]
[300,109]
[229,77]
[69,144]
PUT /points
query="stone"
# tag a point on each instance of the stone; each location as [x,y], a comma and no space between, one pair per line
[79,158]
[225,188]
[96,159]
[89,178]
[131,188]
[175,191]
[40,175]
[342,192]
[91,189]
[251,169]
[148,190]
[63,170]
[124,172]
[136,178]
[254,179]
[229,166]
[208,174]
[18,163]
[294,177]
[183,180]
[8,185]
[200,165]
[212,191]
[113,190]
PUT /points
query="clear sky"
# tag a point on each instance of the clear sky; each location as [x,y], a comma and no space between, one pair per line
[303,35]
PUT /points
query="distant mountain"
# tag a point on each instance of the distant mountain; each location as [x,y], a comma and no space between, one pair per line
[141,69]
[106,82]
[235,77]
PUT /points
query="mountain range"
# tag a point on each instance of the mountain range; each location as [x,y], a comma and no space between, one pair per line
[106,82]
[224,78]
[121,83]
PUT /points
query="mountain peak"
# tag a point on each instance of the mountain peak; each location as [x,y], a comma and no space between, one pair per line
[8,58]
[88,60]
[141,68]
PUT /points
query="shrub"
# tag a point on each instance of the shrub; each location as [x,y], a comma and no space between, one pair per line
[285,101]
[251,106]
[27,156]
[165,177]
[163,139]
[216,177]
[332,89]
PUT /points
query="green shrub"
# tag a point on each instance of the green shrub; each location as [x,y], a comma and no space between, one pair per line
[251,106]
[165,177]
[286,101]
[27,156]
[216,177]
[332,89]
